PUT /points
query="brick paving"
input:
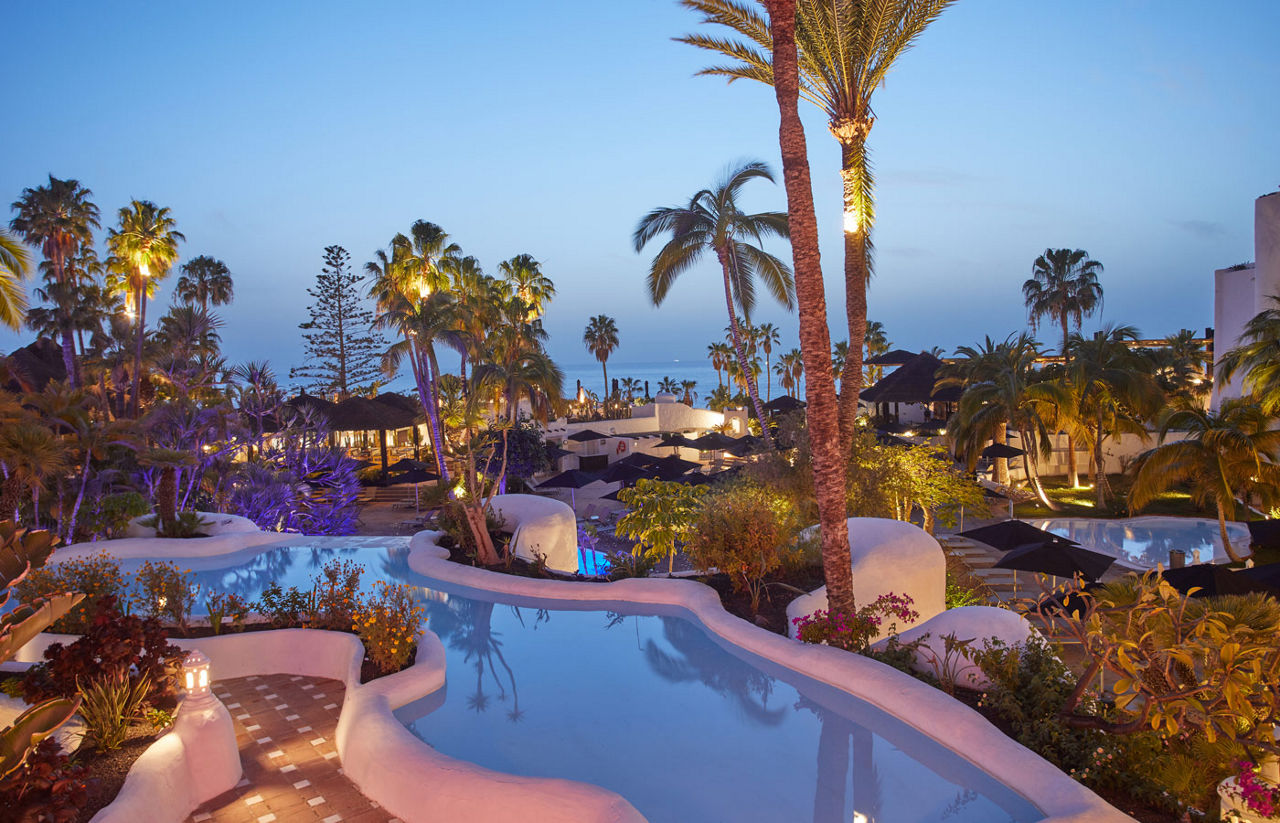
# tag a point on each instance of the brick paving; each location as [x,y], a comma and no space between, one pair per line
[284,728]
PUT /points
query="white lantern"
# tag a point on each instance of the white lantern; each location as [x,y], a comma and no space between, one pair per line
[195,669]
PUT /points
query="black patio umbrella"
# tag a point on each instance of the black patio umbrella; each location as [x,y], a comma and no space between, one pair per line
[554,452]
[571,479]
[639,460]
[1212,580]
[587,436]
[998,450]
[714,442]
[611,496]
[1058,559]
[1265,533]
[745,445]
[677,440]
[1268,574]
[693,479]
[1010,534]
[783,404]
[621,472]
[416,477]
[669,468]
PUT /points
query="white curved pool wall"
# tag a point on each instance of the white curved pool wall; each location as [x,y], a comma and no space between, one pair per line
[540,525]
[887,556]
[172,548]
[395,769]
[977,624]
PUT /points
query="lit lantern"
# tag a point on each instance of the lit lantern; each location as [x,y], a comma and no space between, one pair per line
[195,670]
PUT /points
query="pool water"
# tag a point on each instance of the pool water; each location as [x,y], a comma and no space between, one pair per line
[650,706]
[1146,541]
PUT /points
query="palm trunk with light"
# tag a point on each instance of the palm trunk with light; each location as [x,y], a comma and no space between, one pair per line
[1101,488]
[1001,464]
[1073,471]
[748,376]
[823,411]
[1222,531]
[852,134]
[142,325]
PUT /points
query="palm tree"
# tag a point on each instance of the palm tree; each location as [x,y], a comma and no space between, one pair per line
[15,265]
[720,354]
[31,455]
[790,369]
[768,337]
[982,364]
[60,219]
[712,222]
[1227,454]
[523,278]
[876,343]
[1116,392]
[601,338]
[1258,356]
[1001,391]
[688,386]
[143,249]
[668,385]
[845,52]
[205,281]
[1181,368]
[630,386]
[1064,286]
[839,358]
[822,412]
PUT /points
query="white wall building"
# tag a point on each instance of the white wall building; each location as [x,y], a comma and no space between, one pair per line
[1241,291]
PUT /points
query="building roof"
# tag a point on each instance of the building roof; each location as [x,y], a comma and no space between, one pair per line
[912,382]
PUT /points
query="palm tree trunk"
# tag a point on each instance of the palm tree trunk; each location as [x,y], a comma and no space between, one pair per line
[433,415]
[1073,470]
[137,359]
[857,176]
[1030,457]
[823,410]
[1001,465]
[75,509]
[1101,488]
[605,367]
[1222,531]
[741,350]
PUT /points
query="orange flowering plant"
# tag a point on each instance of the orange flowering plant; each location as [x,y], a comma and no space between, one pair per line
[388,624]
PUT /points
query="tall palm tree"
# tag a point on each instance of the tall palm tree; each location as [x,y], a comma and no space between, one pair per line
[1227,454]
[768,337]
[1064,286]
[1258,356]
[60,219]
[1181,368]
[1116,392]
[845,50]
[982,364]
[822,412]
[15,265]
[688,386]
[790,370]
[143,249]
[601,338]
[205,282]
[712,222]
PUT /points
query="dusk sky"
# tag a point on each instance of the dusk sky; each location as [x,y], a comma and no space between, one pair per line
[1141,131]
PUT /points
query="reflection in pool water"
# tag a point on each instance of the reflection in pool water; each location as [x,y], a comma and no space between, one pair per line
[650,706]
[1146,541]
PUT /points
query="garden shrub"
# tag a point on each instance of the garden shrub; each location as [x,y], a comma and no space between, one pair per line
[108,515]
[337,595]
[660,516]
[48,786]
[110,704]
[854,632]
[741,530]
[388,624]
[162,590]
[112,643]
[285,608]
[97,577]
[223,606]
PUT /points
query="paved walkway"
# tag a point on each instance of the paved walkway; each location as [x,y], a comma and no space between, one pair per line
[284,727]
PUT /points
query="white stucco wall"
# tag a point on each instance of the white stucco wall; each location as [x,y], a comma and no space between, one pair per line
[1239,295]
[540,525]
[888,557]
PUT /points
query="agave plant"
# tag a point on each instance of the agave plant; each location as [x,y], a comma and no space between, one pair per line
[20,552]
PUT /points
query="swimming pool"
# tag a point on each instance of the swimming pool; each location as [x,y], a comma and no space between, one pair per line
[648,705]
[1145,541]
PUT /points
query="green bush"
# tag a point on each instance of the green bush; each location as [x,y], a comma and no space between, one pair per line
[286,608]
[742,530]
[223,606]
[108,516]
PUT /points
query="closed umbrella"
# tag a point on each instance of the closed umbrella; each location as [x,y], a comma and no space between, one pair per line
[1010,534]
[1058,559]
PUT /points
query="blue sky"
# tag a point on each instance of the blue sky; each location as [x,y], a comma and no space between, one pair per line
[1140,130]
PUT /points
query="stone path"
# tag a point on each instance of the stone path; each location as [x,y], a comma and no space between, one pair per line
[284,727]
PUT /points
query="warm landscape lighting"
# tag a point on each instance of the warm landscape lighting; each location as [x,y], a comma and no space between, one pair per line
[195,670]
